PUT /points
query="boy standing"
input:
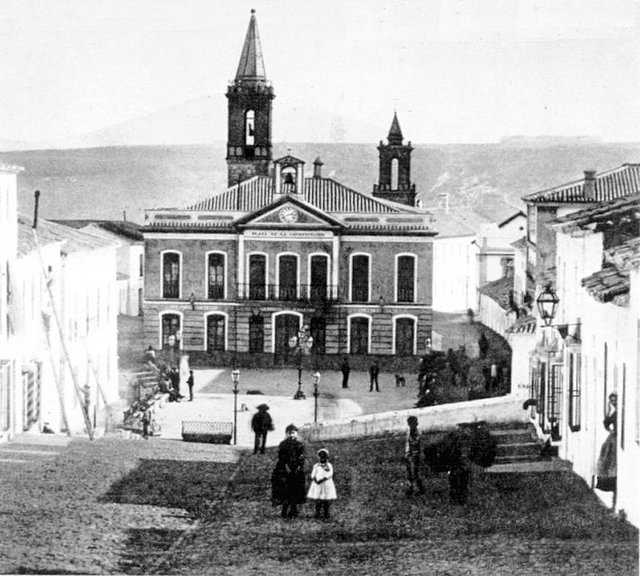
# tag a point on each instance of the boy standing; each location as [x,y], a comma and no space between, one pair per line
[412,450]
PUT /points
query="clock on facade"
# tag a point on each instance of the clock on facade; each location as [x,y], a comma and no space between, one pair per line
[288,215]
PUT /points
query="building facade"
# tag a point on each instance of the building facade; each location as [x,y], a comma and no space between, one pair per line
[236,277]
[582,245]
[65,328]
[127,236]
[8,252]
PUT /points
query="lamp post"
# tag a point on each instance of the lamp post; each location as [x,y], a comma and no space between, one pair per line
[547,303]
[316,381]
[302,344]
[235,378]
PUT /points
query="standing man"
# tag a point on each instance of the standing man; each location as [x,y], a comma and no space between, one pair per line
[374,370]
[412,451]
[345,368]
[261,424]
[190,384]
[174,375]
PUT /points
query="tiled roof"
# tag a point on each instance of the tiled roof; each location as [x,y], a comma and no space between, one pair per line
[50,233]
[124,228]
[525,325]
[608,185]
[499,290]
[604,285]
[611,212]
[324,193]
[625,256]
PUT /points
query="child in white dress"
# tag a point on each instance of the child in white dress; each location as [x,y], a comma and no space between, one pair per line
[322,488]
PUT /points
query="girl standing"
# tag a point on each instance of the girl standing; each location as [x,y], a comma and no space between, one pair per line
[322,488]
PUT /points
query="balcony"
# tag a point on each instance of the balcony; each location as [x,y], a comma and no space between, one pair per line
[288,293]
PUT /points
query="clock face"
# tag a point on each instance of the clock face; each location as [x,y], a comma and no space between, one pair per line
[288,215]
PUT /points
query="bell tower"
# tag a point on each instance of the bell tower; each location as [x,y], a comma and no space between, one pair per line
[250,99]
[394,180]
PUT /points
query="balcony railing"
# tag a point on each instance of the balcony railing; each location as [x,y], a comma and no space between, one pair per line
[288,293]
[405,294]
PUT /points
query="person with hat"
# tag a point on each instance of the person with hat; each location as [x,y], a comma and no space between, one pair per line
[287,479]
[322,488]
[261,424]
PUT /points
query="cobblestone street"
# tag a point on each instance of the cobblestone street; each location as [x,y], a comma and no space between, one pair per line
[166,507]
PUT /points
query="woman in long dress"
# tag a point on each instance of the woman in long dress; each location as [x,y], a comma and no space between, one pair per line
[607,470]
[287,480]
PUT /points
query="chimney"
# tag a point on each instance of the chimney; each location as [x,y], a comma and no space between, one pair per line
[443,201]
[589,187]
[317,168]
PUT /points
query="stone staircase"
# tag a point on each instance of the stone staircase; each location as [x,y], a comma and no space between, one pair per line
[519,450]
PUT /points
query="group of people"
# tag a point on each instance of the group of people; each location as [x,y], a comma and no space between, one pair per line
[288,480]
[374,372]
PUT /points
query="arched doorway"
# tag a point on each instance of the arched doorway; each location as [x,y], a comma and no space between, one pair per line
[286,327]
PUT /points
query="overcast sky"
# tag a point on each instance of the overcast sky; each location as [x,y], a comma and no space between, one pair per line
[455,70]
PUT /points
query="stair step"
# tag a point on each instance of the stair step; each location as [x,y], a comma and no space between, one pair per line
[513,436]
[519,449]
[519,458]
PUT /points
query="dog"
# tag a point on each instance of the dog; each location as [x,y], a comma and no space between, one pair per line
[400,381]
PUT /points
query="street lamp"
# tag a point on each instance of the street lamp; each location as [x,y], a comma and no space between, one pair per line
[316,381]
[235,378]
[302,344]
[547,305]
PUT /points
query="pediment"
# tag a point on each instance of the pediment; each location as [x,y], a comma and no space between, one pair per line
[289,214]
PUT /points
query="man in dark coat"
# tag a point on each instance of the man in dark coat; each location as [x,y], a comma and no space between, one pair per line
[345,369]
[287,481]
[374,370]
[261,424]
[190,383]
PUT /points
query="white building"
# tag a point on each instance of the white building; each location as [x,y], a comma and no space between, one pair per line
[455,262]
[65,328]
[594,347]
[8,251]
[130,254]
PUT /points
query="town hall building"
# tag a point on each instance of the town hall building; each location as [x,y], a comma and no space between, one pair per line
[247,275]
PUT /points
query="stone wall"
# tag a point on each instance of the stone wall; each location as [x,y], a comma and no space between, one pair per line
[432,418]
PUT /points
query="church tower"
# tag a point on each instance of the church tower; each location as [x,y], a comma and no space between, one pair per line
[394,180]
[249,97]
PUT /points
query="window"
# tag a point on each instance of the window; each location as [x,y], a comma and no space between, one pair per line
[394,174]
[575,391]
[553,409]
[405,278]
[405,337]
[318,333]
[215,333]
[360,278]
[256,334]
[287,277]
[170,327]
[215,272]
[359,335]
[257,276]
[318,277]
[141,265]
[249,137]
[171,275]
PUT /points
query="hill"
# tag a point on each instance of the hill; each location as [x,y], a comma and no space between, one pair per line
[104,182]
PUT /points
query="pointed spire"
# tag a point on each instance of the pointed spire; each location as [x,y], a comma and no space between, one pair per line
[251,66]
[395,134]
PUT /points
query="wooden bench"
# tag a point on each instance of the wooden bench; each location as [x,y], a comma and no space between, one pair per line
[207,431]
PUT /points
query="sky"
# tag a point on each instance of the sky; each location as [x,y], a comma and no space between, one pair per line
[455,70]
